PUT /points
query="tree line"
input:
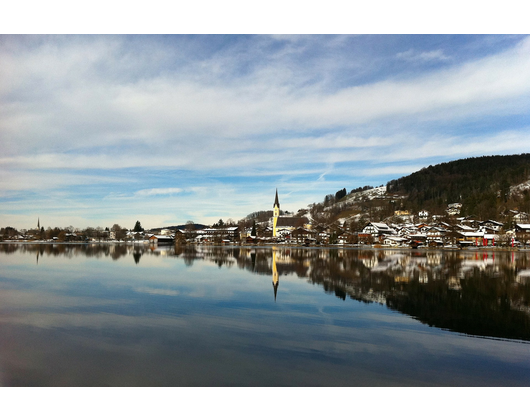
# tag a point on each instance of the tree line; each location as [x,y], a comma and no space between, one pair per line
[481,185]
[65,233]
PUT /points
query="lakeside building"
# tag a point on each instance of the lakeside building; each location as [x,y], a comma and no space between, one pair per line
[283,226]
[522,232]
[161,239]
[223,234]
[378,230]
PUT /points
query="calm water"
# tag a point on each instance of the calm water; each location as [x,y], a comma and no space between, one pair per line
[134,316]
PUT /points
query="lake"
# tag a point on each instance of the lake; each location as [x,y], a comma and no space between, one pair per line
[117,315]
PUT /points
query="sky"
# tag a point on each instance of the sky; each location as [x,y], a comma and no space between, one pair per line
[104,129]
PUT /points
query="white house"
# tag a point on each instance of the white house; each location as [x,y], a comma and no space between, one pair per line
[394,241]
[378,229]
[491,224]
[435,234]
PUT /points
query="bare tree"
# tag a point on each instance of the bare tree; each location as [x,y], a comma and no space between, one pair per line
[190,228]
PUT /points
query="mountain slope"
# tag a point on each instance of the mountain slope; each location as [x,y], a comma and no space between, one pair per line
[481,184]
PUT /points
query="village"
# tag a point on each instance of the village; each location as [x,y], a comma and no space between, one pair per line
[403,229]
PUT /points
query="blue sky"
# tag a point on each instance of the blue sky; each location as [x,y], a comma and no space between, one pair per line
[97,130]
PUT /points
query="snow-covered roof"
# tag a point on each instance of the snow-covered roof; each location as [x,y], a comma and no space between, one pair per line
[471,234]
[523,225]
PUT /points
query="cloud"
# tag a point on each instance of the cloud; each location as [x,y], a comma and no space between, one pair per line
[158,191]
[411,55]
[82,105]
[102,121]
[22,179]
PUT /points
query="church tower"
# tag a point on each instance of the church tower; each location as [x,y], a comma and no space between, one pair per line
[276,214]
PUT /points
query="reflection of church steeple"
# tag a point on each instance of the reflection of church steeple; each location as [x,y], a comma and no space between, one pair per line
[275,275]
[40,252]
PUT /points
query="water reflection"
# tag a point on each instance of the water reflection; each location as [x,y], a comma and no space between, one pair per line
[477,293]
[139,315]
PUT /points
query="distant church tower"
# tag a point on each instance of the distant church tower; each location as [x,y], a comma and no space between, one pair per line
[276,214]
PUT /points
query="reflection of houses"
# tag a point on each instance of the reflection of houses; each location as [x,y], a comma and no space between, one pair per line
[523,277]
[369,261]
[454,283]
[468,266]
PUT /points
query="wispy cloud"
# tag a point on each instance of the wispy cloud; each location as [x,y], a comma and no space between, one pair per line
[158,191]
[125,119]
[412,55]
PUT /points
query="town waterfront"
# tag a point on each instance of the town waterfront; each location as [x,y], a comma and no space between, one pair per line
[122,315]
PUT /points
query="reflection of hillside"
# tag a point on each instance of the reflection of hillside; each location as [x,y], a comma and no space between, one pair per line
[483,306]
[468,293]
[479,293]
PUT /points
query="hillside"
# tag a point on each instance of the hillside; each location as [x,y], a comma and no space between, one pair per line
[486,186]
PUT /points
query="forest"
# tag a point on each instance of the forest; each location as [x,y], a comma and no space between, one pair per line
[480,184]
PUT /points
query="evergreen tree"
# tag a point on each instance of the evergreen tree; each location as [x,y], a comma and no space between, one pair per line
[138,227]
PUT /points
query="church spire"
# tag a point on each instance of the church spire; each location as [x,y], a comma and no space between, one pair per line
[275,214]
[38,223]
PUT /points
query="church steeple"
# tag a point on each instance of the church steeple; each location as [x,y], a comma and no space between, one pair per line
[276,214]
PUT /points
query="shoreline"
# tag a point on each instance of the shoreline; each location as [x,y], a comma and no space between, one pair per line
[282,245]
